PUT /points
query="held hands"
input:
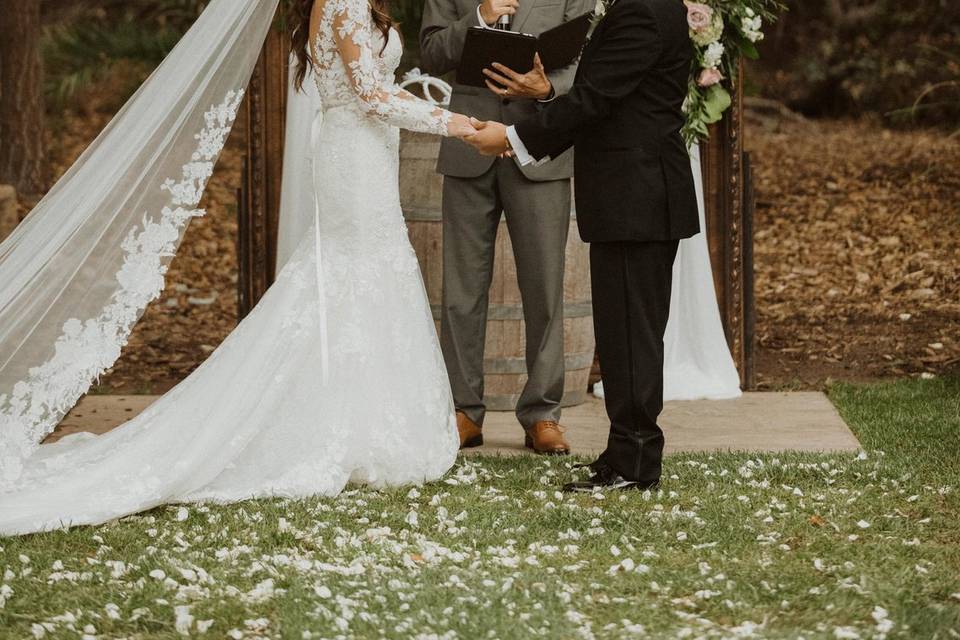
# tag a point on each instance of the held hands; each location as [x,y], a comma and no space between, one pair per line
[507,83]
[491,10]
[490,138]
[460,126]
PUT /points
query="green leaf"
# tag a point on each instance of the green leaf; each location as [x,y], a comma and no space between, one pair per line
[715,103]
[749,49]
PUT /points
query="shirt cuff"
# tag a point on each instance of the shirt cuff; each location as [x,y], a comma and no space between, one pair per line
[551,97]
[520,150]
[480,19]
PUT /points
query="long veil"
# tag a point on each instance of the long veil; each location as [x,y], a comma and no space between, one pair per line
[77,273]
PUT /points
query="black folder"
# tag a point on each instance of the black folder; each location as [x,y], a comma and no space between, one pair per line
[557,47]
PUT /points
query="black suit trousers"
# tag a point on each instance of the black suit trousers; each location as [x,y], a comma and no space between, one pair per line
[631,303]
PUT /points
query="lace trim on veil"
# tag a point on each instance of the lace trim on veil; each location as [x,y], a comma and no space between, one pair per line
[85,350]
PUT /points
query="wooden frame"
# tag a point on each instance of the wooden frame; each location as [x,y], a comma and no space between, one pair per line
[727,192]
[259,196]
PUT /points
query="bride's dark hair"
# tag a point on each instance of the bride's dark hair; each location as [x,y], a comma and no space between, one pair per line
[300,35]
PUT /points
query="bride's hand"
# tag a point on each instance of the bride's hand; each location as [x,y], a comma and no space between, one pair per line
[460,126]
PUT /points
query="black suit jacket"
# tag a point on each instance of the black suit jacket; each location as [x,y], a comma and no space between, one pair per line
[623,114]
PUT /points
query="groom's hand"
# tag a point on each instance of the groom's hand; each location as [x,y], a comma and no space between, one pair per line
[490,138]
[507,83]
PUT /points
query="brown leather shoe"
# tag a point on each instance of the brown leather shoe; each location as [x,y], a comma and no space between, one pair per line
[546,437]
[471,434]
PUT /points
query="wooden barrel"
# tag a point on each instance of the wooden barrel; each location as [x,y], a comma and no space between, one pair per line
[504,362]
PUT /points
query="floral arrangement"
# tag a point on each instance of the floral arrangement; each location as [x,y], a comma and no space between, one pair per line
[722,31]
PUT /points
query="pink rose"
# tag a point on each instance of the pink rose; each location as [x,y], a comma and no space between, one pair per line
[709,77]
[699,16]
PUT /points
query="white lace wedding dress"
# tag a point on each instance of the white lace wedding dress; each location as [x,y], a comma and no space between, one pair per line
[257,418]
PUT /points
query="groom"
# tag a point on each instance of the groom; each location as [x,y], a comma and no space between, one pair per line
[635,201]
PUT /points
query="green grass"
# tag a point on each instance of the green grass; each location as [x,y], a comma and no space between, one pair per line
[735,545]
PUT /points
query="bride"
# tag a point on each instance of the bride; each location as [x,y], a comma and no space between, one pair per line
[263,416]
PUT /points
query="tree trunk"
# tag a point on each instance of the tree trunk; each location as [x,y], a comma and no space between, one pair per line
[21,98]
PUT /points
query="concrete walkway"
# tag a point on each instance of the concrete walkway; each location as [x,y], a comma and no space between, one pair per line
[771,422]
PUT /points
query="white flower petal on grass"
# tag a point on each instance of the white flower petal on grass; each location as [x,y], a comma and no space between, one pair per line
[183,621]
[5,592]
[157,574]
[863,524]
[182,514]
[882,617]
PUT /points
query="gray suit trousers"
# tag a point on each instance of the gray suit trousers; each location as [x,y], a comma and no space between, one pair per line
[538,219]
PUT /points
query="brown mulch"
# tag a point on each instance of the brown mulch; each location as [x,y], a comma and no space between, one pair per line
[857,245]
[857,252]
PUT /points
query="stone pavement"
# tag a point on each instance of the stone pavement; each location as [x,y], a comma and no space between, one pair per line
[769,422]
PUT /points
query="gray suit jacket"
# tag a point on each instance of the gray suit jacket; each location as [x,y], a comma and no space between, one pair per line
[442,34]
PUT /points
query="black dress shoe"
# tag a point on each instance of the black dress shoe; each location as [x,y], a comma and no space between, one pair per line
[605,478]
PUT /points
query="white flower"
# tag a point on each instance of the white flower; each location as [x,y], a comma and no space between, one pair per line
[751,25]
[713,55]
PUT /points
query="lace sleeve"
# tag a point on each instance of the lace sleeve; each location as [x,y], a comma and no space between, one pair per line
[353,34]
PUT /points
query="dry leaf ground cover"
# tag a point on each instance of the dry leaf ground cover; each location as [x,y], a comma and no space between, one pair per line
[857,252]
[857,244]
[733,546]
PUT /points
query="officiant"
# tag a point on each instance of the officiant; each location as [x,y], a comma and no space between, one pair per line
[535,200]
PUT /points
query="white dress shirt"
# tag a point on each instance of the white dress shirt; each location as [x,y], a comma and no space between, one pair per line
[520,150]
